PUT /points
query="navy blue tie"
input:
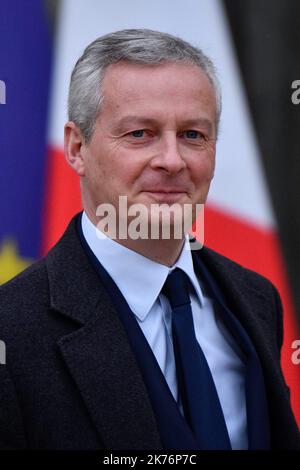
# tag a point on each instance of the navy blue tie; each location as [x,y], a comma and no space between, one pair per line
[197,390]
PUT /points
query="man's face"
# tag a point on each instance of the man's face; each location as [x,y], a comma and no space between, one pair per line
[154,139]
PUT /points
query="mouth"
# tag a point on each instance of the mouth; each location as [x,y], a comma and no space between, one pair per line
[164,195]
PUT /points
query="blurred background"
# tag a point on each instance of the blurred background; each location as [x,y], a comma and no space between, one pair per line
[252,212]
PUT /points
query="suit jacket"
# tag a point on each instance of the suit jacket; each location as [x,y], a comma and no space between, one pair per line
[71,380]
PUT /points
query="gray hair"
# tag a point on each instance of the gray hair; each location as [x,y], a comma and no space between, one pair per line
[138,46]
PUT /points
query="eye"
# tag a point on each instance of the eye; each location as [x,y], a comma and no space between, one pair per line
[138,133]
[192,134]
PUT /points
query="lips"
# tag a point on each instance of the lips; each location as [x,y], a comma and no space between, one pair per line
[166,195]
[166,190]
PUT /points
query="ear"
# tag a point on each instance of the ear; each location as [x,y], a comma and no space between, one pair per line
[74,144]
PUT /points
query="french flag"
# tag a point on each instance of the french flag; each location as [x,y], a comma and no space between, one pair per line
[239,219]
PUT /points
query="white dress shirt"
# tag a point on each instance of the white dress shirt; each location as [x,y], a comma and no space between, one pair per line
[140,280]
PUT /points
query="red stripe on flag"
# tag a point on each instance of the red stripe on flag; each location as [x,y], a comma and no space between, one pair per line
[62,198]
[258,249]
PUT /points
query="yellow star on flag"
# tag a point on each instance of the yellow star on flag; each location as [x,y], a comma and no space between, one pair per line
[11,263]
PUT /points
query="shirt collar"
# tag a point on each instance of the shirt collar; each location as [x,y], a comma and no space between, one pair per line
[140,279]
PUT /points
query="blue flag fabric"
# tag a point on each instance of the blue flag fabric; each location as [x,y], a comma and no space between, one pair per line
[25,62]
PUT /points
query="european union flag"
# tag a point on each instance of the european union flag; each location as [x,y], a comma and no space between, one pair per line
[25,61]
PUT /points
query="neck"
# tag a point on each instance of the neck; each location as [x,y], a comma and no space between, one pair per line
[163,251]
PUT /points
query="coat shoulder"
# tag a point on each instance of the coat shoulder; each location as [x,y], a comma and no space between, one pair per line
[236,271]
[24,295]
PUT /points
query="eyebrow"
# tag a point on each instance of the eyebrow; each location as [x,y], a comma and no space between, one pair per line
[143,120]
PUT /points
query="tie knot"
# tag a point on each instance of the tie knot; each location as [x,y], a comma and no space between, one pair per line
[176,288]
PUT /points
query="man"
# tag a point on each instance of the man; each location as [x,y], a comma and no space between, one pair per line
[125,342]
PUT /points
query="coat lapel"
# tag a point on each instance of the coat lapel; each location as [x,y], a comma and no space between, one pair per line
[251,307]
[257,314]
[98,354]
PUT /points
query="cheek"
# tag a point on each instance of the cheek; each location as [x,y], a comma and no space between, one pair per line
[128,166]
[99,167]
[203,169]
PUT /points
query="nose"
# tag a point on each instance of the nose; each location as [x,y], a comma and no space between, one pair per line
[168,156]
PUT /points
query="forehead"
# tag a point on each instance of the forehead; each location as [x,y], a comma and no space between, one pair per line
[170,85]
